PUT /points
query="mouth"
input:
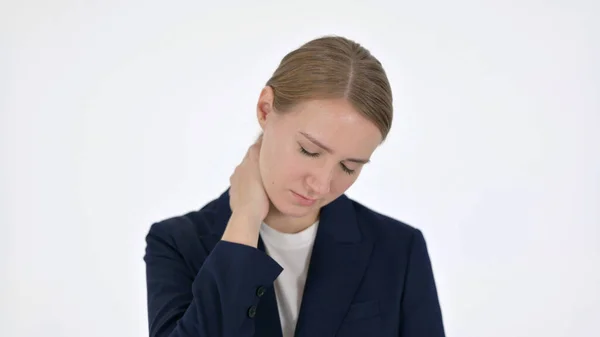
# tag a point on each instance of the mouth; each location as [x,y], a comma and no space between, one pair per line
[304,200]
[303,197]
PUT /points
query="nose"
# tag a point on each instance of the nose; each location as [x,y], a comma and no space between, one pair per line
[319,181]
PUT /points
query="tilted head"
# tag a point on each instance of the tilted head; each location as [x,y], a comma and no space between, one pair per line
[323,113]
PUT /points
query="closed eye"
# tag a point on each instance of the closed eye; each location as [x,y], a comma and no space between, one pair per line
[346,169]
[311,154]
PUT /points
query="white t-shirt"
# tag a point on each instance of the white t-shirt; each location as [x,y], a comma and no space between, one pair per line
[292,252]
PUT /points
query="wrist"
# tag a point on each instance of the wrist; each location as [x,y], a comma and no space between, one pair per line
[248,215]
[243,228]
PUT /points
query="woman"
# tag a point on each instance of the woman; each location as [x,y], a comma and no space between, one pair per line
[283,252]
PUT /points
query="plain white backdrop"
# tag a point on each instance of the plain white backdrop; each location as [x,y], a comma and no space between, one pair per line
[117,114]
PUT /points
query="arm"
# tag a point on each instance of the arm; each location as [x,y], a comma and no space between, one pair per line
[421,315]
[214,302]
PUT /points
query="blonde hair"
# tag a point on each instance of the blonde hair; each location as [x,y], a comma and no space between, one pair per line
[332,67]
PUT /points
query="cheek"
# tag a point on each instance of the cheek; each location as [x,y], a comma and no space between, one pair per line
[341,183]
[292,167]
[283,165]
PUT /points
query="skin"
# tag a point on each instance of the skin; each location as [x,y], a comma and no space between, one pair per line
[316,151]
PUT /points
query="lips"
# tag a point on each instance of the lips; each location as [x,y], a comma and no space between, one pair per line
[302,196]
[302,200]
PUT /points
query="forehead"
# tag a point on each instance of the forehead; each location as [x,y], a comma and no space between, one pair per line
[334,122]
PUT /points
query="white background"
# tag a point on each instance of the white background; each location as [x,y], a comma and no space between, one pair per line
[117,114]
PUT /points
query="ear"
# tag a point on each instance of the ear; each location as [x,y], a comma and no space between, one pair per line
[264,107]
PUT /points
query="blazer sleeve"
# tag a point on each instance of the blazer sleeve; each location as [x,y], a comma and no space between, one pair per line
[421,312]
[219,301]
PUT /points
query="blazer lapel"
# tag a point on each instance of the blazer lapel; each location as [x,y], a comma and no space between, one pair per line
[339,258]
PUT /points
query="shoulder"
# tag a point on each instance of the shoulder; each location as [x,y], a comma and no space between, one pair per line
[186,240]
[394,240]
[186,231]
[384,227]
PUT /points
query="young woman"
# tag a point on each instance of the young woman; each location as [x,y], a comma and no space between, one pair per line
[283,251]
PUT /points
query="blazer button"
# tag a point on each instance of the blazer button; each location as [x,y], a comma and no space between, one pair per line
[252,311]
[260,291]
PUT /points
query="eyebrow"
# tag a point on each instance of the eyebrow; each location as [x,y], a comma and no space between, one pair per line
[328,149]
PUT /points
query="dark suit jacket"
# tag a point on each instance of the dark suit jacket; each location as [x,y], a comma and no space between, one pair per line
[369,275]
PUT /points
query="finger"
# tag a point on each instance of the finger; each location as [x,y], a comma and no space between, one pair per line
[258,141]
[247,153]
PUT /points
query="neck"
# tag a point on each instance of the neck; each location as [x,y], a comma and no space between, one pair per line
[288,224]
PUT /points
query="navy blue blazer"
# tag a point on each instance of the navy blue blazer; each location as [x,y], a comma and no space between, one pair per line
[369,275]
